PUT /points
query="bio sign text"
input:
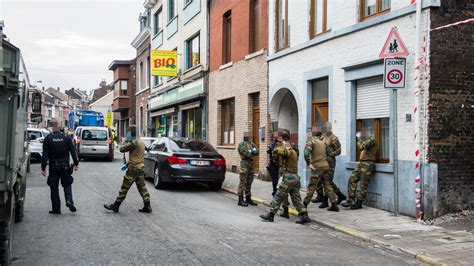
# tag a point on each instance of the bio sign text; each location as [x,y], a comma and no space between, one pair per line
[164,63]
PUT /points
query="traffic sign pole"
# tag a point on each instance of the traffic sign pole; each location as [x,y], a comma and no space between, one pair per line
[394,124]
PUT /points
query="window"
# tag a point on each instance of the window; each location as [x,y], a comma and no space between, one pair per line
[190,145]
[158,21]
[192,52]
[379,129]
[123,87]
[141,84]
[158,80]
[319,17]
[372,114]
[255,24]
[172,9]
[227,38]
[281,23]
[370,8]
[227,122]
[320,110]
[187,2]
[148,72]
[94,135]
[193,123]
[141,119]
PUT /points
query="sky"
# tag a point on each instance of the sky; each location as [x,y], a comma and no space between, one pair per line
[70,43]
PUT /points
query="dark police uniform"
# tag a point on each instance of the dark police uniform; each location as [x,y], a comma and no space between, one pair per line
[56,149]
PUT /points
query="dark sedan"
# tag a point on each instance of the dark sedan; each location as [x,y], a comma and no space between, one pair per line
[178,160]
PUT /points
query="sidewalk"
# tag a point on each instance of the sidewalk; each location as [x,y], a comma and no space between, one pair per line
[430,244]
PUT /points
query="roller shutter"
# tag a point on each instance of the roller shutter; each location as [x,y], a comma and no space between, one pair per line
[373,100]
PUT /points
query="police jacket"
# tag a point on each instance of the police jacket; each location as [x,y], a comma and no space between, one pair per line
[57,147]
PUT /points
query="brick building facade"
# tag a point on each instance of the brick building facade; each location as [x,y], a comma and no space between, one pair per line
[142,71]
[451,102]
[238,82]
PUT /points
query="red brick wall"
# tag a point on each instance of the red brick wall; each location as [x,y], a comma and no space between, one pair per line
[121,72]
[240,29]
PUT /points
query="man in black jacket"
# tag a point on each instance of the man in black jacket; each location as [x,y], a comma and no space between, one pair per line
[56,149]
[273,165]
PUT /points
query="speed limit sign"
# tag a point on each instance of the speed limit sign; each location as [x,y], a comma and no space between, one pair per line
[394,73]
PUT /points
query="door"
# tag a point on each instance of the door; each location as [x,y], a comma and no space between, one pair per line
[255,134]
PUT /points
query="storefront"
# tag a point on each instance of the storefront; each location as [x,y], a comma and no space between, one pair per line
[179,112]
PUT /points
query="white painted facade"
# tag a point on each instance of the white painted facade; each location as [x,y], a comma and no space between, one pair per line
[349,50]
[103,104]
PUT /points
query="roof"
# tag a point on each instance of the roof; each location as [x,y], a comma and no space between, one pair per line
[117,63]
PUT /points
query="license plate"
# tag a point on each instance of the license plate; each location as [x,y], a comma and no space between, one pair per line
[200,163]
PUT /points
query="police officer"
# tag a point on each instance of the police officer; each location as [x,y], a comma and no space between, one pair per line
[135,172]
[56,149]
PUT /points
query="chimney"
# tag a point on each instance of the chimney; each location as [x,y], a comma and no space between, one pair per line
[43,87]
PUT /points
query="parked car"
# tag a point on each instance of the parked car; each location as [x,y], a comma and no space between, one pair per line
[148,140]
[35,141]
[177,160]
[94,142]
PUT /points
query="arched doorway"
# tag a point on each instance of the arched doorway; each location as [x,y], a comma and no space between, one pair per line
[284,111]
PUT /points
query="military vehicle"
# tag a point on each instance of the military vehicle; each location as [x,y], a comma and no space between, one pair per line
[14,157]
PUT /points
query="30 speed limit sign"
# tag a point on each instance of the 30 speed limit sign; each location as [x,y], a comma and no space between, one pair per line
[394,73]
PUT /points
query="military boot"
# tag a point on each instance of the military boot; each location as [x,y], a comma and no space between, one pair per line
[357,205]
[319,198]
[325,202]
[285,213]
[242,202]
[347,203]
[268,216]
[340,197]
[249,200]
[304,219]
[113,207]
[146,208]
[333,207]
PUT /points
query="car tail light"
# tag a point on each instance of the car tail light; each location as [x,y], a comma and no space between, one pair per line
[175,160]
[219,162]
[110,141]
[78,140]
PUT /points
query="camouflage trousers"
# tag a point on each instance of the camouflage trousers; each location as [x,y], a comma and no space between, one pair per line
[133,176]
[332,169]
[320,175]
[245,177]
[290,185]
[362,173]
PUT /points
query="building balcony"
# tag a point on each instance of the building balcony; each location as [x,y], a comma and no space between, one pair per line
[121,103]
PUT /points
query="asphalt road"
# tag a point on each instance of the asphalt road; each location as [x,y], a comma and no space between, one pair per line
[189,225]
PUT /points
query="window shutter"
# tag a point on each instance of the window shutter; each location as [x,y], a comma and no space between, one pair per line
[373,100]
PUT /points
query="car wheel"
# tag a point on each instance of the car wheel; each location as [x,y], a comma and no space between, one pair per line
[159,184]
[215,186]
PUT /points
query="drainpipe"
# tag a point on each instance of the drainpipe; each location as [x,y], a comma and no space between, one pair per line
[418,126]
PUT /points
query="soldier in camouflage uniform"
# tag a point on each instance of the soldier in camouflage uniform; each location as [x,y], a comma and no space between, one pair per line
[286,137]
[363,172]
[247,151]
[333,149]
[290,183]
[316,158]
[135,172]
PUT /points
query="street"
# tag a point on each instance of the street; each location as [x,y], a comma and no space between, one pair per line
[189,225]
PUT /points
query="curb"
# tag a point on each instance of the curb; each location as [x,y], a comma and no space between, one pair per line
[423,257]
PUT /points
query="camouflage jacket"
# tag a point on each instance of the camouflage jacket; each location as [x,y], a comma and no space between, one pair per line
[287,156]
[333,146]
[247,150]
[136,150]
[368,149]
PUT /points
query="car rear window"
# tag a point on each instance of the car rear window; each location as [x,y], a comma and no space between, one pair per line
[91,134]
[32,135]
[190,145]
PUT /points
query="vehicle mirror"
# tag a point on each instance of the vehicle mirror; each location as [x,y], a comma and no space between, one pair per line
[41,140]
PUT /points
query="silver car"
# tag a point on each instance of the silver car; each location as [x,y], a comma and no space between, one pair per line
[94,142]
